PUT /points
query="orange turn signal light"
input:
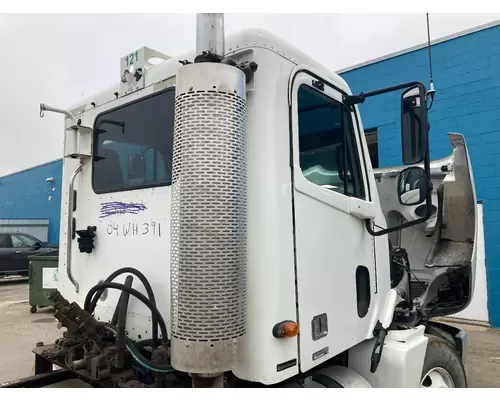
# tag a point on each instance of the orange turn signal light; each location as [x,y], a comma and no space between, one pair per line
[285,329]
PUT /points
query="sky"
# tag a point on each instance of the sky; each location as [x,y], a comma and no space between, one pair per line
[61,58]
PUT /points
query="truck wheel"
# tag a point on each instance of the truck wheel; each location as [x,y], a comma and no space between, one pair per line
[443,368]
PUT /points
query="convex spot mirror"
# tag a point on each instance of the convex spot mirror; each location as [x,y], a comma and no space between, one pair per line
[413,186]
[414,126]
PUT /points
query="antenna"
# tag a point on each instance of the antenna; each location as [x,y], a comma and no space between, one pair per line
[431,90]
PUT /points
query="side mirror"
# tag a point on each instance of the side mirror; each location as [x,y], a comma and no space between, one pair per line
[136,166]
[37,246]
[413,186]
[414,125]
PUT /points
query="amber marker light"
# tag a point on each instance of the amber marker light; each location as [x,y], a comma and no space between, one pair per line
[286,329]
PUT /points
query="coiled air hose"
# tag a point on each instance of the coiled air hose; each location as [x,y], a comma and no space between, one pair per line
[138,295]
[91,302]
[149,291]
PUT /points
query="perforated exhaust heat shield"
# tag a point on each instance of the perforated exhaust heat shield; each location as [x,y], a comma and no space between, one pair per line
[209,212]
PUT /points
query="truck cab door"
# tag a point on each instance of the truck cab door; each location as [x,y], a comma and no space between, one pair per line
[335,262]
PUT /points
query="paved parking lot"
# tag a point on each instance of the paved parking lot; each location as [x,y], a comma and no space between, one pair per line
[20,330]
[483,361]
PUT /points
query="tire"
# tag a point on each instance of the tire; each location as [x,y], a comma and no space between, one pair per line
[33,309]
[442,358]
[440,332]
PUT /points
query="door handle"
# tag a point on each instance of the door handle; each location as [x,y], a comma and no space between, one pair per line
[17,251]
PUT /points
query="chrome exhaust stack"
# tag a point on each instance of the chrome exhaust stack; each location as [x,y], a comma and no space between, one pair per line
[210,34]
[209,211]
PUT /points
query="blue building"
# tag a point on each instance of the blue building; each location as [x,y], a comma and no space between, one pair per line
[466,69]
[466,72]
[30,201]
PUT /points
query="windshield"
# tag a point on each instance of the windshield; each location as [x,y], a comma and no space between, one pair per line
[133,145]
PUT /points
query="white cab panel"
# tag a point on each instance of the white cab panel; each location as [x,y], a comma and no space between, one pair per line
[401,363]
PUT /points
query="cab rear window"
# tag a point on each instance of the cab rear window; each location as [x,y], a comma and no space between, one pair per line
[133,145]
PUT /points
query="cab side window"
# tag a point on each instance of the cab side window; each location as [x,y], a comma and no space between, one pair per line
[327,146]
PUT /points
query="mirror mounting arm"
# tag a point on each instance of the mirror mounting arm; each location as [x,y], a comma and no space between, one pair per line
[428,208]
[372,232]
[352,100]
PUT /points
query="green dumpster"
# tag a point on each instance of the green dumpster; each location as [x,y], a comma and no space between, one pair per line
[42,278]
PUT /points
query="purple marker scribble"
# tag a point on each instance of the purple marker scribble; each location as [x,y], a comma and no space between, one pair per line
[120,208]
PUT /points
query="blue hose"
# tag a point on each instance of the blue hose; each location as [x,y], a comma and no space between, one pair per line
[147,366]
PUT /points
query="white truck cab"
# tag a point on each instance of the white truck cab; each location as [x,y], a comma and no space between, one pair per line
[234,183]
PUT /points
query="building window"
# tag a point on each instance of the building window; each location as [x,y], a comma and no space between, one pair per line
[372,142]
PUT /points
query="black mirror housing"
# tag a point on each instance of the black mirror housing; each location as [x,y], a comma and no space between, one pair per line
[414,125]
[413,186]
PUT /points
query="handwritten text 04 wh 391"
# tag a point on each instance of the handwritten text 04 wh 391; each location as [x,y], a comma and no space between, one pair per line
[151,228]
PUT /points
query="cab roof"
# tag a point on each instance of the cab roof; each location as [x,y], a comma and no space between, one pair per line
[245,39]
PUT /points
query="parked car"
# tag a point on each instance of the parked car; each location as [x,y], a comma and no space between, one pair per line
[15,248]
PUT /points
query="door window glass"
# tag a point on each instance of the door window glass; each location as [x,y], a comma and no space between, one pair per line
[327,146]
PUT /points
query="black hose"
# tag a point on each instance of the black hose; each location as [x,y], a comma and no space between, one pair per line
[154,311]
[123,297]
[114,318]
[117,273]
[147,286]
[142,344]
[121,322]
